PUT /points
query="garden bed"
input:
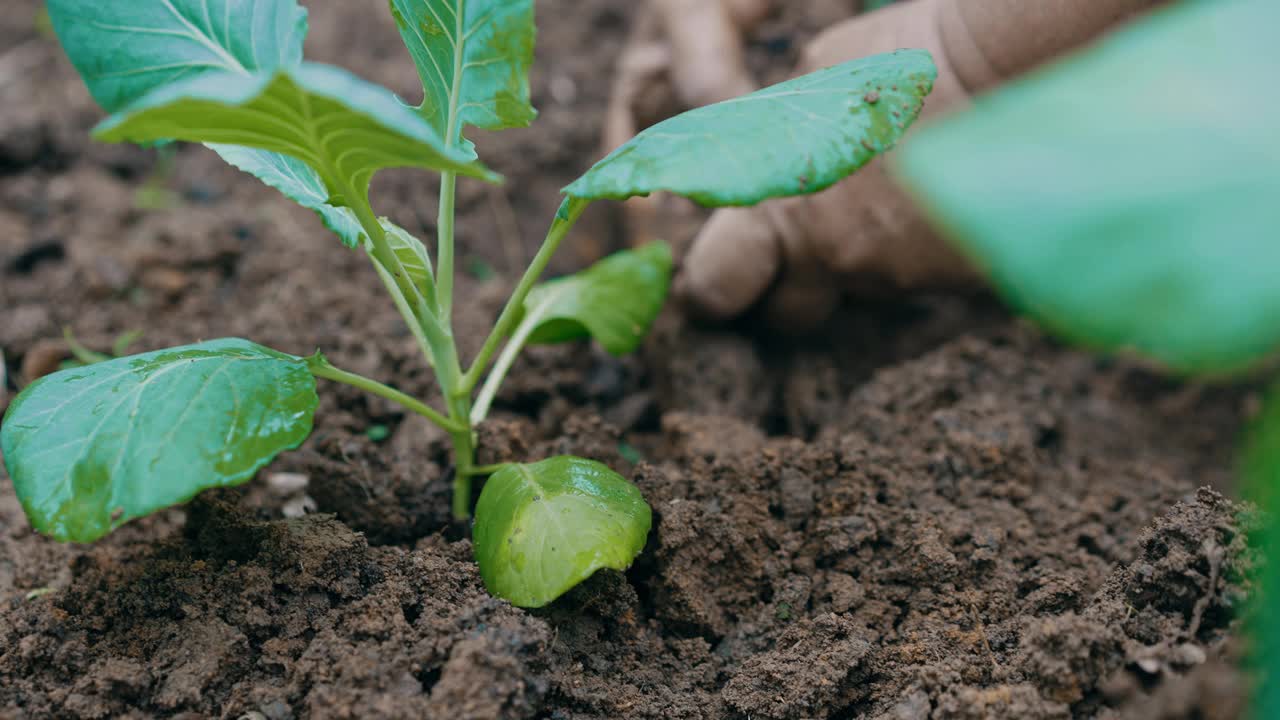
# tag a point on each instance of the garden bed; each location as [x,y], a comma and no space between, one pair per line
[933,512]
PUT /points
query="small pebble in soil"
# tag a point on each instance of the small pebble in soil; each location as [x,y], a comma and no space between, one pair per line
[563,89]
[284,484]
[299,506]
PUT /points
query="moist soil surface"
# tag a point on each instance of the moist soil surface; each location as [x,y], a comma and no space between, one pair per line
[932,512]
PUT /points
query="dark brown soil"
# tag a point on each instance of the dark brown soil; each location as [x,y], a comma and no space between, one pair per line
[933,513]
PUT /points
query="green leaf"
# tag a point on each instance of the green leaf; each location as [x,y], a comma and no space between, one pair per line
[615,301]
[124,50]
[127,50]
[1261,484]
[541,529]
[798,137]
[1127,197]
[1260,468]
[297,181]
[343,127]
[473,57]
[413,257]
[1266,698]
[91,448]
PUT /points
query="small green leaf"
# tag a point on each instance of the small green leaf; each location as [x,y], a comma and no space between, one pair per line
[413,257]
[124,50]
[615,301]
[473,57]
[798,137]
[301,184]
[1127,198]
[343,127]
[91,448]
[297,181]
[543,528]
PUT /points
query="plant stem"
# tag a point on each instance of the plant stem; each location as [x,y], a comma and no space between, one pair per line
[406,312]
[510,352]
[444,246]
[437,334]
[320,367]
[568,214]
[487,469]
[443,354]
[459,397]
[464,457]
[379,248]
[449,180]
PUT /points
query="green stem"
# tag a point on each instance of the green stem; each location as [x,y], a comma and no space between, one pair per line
[449,180]
[444,245]
[510,352]
[459,399]
[566,217]
[458,393]
[321,368]
[442,352]
[379,248]
[406,311]
[464,458]
[487,469]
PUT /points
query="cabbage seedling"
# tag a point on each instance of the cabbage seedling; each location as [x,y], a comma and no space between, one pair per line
[94,447]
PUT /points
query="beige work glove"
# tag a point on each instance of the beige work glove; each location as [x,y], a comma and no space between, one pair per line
[799,256]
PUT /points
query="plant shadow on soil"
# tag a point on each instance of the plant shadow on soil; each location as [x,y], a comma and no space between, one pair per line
[938,514]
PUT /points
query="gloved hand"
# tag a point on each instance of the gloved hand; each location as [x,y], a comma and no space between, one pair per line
[863,236]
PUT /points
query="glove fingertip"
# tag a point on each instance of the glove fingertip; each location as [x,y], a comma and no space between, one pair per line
[732,263]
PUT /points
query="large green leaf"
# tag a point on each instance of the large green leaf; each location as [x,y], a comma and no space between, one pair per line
[790,139]
[345,128]
[473,57]
[94,447]
[1127,198]
[542,528]
[126,49]
[615,301]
